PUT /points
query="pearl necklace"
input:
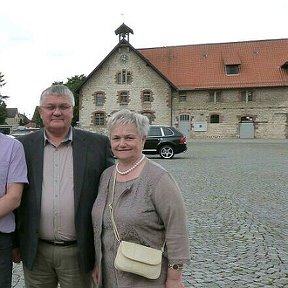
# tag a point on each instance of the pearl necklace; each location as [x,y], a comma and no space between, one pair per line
[130,169]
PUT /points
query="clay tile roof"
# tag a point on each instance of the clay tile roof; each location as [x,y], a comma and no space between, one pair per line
[231,58]
[202,66]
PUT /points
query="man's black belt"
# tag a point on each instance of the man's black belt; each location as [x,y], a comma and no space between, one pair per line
[59,242]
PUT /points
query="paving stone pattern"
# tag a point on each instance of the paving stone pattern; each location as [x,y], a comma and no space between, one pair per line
[236,196]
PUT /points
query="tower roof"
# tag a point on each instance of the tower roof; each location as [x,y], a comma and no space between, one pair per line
[123,31]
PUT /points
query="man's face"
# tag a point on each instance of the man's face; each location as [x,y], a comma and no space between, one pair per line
[56,113]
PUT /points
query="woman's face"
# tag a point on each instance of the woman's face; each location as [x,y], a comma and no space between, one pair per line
[126,143]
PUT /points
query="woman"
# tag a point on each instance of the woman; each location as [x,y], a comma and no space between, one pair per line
[148,209]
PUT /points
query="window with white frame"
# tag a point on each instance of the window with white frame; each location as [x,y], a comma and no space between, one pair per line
[99,98]
[124,77]
[147,96]
[99,119]
[123,98]
[215,96]
[247,96]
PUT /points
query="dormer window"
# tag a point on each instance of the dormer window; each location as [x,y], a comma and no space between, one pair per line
[285,66]
[232,69]
[232,63]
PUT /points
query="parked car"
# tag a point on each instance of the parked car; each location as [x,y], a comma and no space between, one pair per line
[20,131]
[165,141]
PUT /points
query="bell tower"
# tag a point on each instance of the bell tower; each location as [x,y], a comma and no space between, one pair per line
[123,31]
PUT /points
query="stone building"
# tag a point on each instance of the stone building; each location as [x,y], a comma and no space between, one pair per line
[222,90]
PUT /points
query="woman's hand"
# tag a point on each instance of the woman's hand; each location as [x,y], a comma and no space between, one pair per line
[174,279]
[95,275]
[174,283]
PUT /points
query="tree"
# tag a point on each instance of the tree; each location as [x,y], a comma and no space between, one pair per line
[37,119]
[73,83]
[3,111]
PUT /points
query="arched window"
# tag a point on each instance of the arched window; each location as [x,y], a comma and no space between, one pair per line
[184,117]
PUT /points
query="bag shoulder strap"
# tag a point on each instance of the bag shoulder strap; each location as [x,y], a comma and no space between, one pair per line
[116,232]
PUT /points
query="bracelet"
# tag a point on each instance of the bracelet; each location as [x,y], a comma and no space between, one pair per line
[177,267]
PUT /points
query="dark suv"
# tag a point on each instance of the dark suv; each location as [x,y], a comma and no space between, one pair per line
[165,141]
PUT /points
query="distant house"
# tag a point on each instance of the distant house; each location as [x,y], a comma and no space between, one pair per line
[24,120]
[12,118]
[222,90]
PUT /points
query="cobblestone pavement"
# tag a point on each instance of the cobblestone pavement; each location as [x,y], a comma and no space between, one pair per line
[236,195]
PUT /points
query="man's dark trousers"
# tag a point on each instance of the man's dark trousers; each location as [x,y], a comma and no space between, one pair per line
[5,260]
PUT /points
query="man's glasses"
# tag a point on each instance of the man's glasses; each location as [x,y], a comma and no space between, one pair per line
[52,107]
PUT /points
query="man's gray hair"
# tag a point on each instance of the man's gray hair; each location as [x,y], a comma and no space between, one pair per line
[58,90]
[125,116]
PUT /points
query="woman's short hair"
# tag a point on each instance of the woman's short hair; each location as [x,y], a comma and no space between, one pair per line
[125,116]
[58,90]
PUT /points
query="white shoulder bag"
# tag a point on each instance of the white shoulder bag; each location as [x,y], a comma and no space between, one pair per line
[135,258]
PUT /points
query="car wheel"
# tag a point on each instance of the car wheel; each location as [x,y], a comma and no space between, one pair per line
[166,152]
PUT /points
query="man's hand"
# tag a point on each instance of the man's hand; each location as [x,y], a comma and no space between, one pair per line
[95,275]
[16,256]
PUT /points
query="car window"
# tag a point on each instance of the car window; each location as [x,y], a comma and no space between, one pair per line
[167,131]
[154,131]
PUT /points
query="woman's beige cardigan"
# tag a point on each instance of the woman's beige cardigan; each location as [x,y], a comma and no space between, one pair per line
[156,199]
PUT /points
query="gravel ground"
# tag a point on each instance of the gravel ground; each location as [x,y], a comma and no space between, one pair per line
[236,195]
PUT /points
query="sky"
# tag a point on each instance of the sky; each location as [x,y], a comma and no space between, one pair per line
[46,41]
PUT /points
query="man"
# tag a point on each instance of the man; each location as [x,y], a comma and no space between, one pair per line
[64,167]
[13,175]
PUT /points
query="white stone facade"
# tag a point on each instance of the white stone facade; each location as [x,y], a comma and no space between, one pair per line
[143,78]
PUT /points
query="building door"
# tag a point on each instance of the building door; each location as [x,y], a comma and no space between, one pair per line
[247,128]
[184,124]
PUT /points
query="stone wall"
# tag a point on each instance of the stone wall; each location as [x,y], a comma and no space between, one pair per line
[269,110]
